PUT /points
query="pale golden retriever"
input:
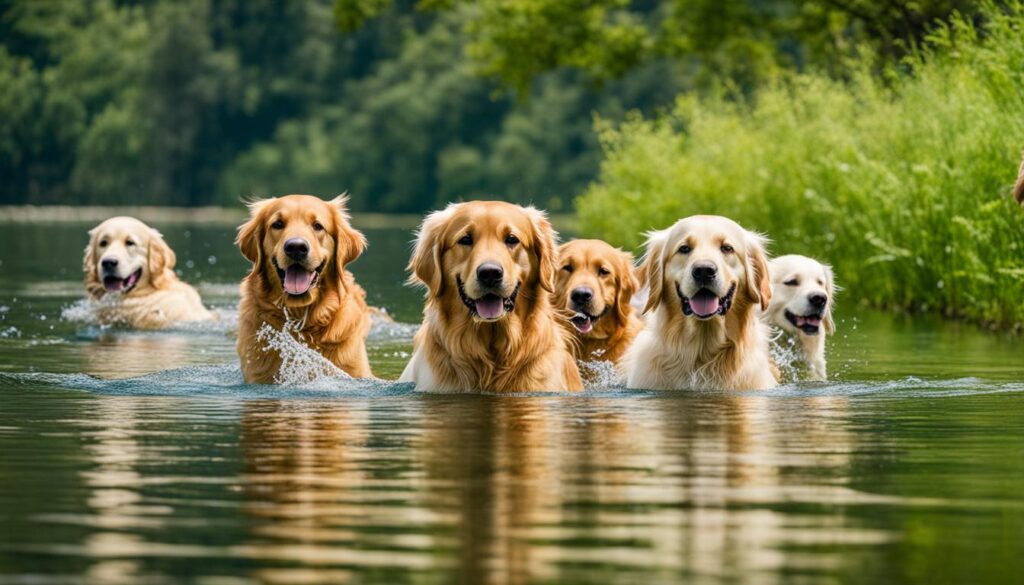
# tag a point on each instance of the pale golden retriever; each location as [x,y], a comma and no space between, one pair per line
[130,268]
[299,246]
[708,280]
[594,286]
[803,290]
[489,325]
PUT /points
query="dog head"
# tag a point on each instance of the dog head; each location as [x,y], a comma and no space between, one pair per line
[126,256]
[802,294]
[292,240]
[703,264]
[487,254]
[594,280]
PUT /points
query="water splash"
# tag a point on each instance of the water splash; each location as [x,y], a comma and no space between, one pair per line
[788,355]
[300,364]
[602,375]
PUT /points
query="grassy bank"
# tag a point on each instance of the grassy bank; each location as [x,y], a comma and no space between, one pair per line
[903,184]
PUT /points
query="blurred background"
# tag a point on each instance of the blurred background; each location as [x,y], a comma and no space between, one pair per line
[883,136]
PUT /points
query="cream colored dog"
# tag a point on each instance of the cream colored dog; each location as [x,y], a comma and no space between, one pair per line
[129,266]
[708,280]
[802,294]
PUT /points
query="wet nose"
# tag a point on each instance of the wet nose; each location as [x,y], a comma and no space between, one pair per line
[108,263]
[489,274]
[817,300]
[704,272]
[581,296]
[296,249]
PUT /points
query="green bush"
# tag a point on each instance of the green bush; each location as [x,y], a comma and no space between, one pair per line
[901,181]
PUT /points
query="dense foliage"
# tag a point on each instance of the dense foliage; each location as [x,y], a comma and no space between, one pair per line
[904,186]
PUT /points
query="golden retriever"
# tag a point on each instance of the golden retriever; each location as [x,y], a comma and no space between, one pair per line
[594,285]
[489,270]
[803,290]
[708,280]
[130,268]
[299,246]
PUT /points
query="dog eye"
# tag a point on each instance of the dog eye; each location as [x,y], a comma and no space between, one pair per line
[103,244]
[318,226]
[791,282]
[511,240]
[567,268]
[279,224]
[129,243]
[727,249]
[466,240]
[684,249]
[603,271]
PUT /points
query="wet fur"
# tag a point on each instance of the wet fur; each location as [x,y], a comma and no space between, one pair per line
[336,321]
[614,332]
[728,352]
[526,350]
[160,299]
[812,346]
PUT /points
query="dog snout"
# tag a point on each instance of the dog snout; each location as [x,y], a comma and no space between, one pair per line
[581,296]
[108,263]
[297,249]
[704,272]
[489,274]
[817,300]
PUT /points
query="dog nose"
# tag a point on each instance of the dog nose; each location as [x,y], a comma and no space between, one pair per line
[108,263]
[296,249]
[704,272]
[489,274]
[581,296]
[817,300]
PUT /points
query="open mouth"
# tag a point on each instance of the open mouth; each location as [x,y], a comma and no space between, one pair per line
[809,324]
[584,322]
[122,285]
[705,304]
[490,306]
[297,279]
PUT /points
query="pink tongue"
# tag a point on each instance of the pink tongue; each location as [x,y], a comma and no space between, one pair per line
[490,307]
[704,304]
[113,284]
[800,321]
[585,327]
[297,280]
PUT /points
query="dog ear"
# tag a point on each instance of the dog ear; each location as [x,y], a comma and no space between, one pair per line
[628,285]
[652,267]
[425,263]
[830,289]
[349,243]
[759,283]
[545,246]
[250,233]
[93,286]
[161,258]
[1018,190]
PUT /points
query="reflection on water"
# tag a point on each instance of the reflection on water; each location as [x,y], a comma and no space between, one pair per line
[130,457]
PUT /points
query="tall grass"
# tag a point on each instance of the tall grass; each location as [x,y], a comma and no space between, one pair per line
[902,182]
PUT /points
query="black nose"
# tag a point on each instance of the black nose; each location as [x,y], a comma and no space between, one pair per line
[817,299]
[489,274]
[296,249]
[108,263]
[581,296]
[704,272]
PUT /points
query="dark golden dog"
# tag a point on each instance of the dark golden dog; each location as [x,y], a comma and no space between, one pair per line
[594,285]
[488,325]
[299,246]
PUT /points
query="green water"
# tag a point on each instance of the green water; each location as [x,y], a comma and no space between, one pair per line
[141,457]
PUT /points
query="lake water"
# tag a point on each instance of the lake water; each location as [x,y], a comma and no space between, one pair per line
[131,457]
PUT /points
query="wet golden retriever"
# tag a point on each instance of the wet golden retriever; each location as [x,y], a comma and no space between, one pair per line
[130,268]
[594,286]
[299,246]
[803,290]
[708,280]
[489,325]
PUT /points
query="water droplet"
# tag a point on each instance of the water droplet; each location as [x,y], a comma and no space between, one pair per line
[212,260]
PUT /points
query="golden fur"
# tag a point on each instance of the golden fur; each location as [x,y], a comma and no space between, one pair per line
[680,351]
[522,348]
[795,280]
[605,326]
[331,316]
[1018,190]
[138,285]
